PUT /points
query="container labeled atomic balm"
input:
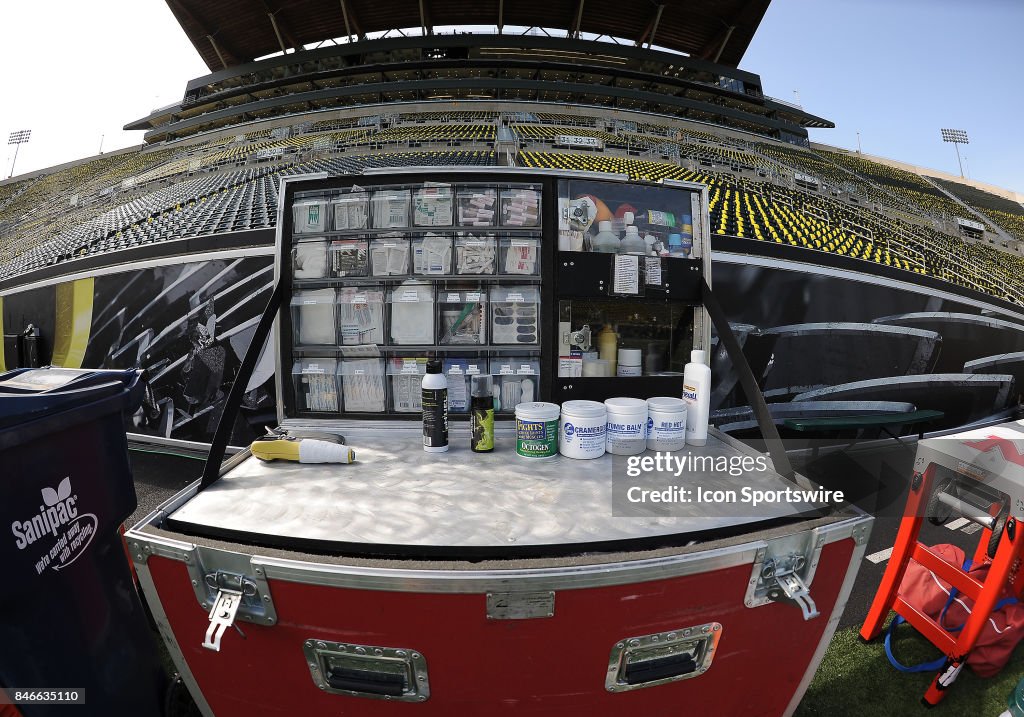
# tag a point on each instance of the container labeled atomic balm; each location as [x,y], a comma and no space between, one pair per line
[537,429]
[626,432]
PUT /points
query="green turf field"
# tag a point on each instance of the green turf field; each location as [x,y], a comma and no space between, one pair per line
[857,679]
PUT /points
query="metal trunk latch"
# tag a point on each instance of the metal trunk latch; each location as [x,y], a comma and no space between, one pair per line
[233,587]
[783,571]
[788,585]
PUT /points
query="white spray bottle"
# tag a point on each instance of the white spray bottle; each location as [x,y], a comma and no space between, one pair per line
[697,394]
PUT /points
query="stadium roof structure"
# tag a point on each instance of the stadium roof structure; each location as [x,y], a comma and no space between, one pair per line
[230,32]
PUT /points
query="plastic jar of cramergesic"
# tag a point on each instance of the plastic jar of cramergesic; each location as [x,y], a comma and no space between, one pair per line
[581,429]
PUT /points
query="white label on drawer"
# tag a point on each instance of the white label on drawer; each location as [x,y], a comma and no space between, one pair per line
[358,299]
[454,298]
[526,368]
[410,366]
[570,366]
[652,267]
[515,296]
[506,370]
[409,296]
[472,369]
[627,274]
[472,296]
[455,369]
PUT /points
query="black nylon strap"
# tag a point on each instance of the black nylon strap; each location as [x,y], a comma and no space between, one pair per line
[211,471]
[753,392]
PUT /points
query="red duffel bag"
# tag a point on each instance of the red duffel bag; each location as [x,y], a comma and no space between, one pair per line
[935,597]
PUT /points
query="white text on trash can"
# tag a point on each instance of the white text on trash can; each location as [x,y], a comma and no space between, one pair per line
[59,519]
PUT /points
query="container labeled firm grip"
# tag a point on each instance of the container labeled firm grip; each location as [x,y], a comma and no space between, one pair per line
[537,429]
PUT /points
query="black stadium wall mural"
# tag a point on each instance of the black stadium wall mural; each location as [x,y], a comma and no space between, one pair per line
[811,337]
[187,324]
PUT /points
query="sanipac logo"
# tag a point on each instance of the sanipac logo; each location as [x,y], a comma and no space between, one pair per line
[59,526]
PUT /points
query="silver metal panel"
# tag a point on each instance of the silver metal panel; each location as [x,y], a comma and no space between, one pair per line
[520,605]
[398,495]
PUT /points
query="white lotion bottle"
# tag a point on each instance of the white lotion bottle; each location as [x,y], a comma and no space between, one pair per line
[697,394]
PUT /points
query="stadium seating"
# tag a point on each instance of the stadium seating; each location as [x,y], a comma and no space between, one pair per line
[1004,212]
[549,133]
[437,133]
[908,186]
[454,116]
[759,190]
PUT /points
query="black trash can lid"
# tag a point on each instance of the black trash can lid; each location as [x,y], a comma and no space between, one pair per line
[29,394]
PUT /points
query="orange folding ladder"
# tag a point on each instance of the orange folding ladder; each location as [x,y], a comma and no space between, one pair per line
[994,458]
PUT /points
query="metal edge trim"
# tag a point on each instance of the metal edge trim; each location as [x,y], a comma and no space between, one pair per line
[144,545]
[468,581]
[864,525]
[242,253]
[163,625]
[146,438]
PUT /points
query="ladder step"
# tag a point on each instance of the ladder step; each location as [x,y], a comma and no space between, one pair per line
[953,574]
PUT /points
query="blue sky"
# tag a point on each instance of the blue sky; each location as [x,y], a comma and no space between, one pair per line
[896,71]
[899,70]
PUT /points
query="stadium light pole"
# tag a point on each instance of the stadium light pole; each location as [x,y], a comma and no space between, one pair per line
[957,137]
[17,139]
